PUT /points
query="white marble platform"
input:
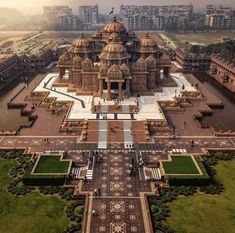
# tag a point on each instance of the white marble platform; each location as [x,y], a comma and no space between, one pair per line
[149,108]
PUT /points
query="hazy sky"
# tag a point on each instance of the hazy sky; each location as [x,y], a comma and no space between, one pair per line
[35,6]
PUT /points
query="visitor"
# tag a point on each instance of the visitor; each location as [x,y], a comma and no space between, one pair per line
[93,212]
[192,143]
[99,192]
[95,192]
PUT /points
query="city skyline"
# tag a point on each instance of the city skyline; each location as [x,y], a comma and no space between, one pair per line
[29,7]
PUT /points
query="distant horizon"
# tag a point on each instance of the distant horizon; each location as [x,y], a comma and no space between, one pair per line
[30,7]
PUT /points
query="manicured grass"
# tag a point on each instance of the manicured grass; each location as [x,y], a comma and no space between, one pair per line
[180,165]
[51,164]
[206,213]
[31,213]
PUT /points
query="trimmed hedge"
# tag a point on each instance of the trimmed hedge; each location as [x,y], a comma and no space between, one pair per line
[43,180]
[189,181]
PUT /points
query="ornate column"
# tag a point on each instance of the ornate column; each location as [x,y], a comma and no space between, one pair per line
[100,92]
[60,73]
[168,74]
[128,91]
[120,90]
[109,91]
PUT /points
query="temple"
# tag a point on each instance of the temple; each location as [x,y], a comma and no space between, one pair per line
[113,64]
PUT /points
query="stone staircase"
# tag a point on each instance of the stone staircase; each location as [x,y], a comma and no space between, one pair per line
[102,139]
[128,138]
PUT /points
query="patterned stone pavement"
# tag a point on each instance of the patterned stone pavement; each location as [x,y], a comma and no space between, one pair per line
[36,143]
[119,203]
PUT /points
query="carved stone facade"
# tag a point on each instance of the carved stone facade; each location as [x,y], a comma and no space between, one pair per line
[192,62]
[114,63]
[223,72]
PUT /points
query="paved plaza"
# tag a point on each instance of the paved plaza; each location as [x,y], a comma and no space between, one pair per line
[120,136]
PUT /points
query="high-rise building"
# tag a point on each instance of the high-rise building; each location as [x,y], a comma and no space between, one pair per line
[54,13]
[219,17]
[176,16]
[156,17]
[89,14]
[70,22]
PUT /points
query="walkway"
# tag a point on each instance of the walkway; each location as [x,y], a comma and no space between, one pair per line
[102,138]
[119,205]
[125,108]
[127,130]
[104,108]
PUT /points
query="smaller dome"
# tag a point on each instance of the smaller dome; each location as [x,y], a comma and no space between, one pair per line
[114,37]
[147,41]
[82,41]
[165,57]
[77,62]
[124,66]
[151,60]
[103,70]
[125,70]
[103,67]
[148,45]
[87,64]
[65,57]
[141,64]
[97,35]
[114,51]
[114,72]
[141,61]
[81,45]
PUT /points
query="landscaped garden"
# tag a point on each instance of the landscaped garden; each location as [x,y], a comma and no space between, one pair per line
[44,209]
[52,164]
[209,207]
[180,165]
[206,213]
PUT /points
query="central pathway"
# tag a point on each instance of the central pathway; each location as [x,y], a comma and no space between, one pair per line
[119,204]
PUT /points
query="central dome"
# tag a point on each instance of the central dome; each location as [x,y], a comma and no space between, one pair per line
[114,27]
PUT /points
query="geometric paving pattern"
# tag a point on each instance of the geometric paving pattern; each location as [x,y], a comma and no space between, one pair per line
[115,186]
[117,206]
[116,171]
[116,158]
[117,228]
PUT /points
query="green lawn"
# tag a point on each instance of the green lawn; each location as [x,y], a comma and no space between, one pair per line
[180,165]
[33,213]
[51,164]
[199,37]
[205,213]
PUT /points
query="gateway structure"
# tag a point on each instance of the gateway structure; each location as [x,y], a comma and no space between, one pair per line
[113,64]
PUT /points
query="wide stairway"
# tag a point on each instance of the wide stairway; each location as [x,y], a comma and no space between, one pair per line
[102,139]
[127,130]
